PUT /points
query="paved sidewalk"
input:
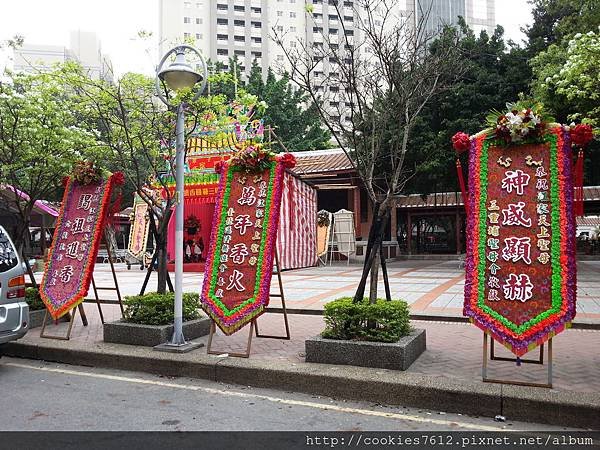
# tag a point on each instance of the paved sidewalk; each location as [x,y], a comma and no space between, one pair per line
[430,287]
[454,350]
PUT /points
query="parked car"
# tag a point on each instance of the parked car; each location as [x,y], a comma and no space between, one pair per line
[14,311]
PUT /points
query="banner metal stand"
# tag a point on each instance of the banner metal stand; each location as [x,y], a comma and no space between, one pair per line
[493,357]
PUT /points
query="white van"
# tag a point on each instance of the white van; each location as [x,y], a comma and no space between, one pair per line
[14,311]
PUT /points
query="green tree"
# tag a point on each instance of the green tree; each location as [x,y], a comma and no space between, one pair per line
[555,21]
[138,134]
[297,126]
[40,138]
[495,73]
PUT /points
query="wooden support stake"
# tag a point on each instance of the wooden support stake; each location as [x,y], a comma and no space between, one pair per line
[285,316]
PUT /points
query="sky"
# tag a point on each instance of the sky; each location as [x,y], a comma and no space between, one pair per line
[117,23]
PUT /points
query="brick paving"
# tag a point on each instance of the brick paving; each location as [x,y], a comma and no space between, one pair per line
[454,350]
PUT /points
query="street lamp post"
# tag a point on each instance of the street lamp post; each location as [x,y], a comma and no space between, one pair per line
[178,75]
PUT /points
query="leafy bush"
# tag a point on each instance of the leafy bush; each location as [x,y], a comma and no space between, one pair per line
[157,309]
[33,299]
[382,321]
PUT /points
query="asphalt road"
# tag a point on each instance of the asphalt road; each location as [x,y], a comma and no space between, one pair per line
[43,396]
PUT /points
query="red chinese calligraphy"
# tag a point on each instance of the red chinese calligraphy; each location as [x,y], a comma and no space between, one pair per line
[242,222]
[515,180]
[235,281]
[238,253]
[516,249]
[518,287]
[515,215]
[247,197]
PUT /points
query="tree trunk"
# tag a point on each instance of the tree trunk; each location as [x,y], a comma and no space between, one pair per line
[374,276]
[161,256]
[375,239]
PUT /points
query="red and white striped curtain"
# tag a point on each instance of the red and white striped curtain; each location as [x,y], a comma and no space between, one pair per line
[297,234]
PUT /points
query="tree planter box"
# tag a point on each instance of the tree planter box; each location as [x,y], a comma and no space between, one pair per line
[36,318]
[397,355]
[120,332]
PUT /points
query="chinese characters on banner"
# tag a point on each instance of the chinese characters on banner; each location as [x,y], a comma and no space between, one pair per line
[240,261]
[75,245]
[520,268]
[138,235]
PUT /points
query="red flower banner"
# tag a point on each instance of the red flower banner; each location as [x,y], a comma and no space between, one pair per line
[75,245]
[520,266]
[239,266]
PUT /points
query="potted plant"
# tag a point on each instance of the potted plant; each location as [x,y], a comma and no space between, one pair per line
[367,334]
[192,224]
[37,309]
[148,320]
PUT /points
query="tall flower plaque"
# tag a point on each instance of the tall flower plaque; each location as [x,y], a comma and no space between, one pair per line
[239,266]
[76,239]
[520,282]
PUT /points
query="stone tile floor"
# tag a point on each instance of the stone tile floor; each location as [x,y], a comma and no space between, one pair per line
[430,287]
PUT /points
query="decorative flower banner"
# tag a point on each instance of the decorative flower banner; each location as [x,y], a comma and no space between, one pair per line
[520,268]
[140,226]
[239,266]
[75,245]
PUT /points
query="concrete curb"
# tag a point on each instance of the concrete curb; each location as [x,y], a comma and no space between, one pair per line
[571,409]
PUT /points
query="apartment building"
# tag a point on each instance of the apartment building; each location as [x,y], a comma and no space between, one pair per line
[84,47]
[221,29]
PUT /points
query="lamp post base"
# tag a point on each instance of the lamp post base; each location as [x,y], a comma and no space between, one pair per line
[178,348]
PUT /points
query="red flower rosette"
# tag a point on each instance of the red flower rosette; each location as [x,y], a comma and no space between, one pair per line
[119,178]
[461,142]
[581,135]
[288,160]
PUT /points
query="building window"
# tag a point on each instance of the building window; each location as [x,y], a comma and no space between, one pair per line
[279,57]
[293,29]
[222,21]
[222,37]
[333,31]
[333,17]
[292,14]
[187,4]
[256,24]
[239,23]
[187,20]
[239,8]
[239,38]
[257,54]
[186,35]
[317,29]
[240,52]
[198,36]
[198,20]
[349,32]
[279,13]
[256,10]
[256,40]
[221,7]
[222,52]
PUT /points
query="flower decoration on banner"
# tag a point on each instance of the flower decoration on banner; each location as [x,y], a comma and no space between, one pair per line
[252,157]
[119,178]
[524,122]
[288,160]
[581,135]
[461,142]
[86,172]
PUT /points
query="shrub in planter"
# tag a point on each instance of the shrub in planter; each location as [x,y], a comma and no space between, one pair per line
[33,299]
[157,309]
[381,321]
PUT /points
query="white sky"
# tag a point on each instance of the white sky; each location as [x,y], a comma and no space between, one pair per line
[117,22]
